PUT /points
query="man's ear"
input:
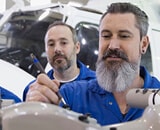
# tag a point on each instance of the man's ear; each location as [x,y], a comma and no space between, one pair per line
[77,47]
[144,44]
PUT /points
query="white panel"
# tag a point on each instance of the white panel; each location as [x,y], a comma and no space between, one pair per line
[2,6]
[13,78]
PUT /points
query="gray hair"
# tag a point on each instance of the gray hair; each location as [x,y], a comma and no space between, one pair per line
[141,17]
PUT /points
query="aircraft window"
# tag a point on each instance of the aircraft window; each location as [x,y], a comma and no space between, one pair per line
[23,34]
[88,36]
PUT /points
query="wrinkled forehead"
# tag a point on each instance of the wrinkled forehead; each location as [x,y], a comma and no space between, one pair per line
[58,32]
[118,20]
[60,28]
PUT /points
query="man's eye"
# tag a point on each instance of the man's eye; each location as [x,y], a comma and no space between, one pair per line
[51,44]
[106,36]
[124,36]
[63,42]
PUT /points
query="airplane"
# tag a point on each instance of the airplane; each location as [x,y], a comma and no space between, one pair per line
[22,30]
[27,115]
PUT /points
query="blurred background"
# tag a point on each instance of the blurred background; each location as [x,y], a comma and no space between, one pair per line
[23,24]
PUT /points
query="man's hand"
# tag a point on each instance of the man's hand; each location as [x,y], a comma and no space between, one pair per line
[44,89]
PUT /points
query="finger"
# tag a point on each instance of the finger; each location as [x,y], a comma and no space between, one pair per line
[45,80]
[50,95]
[36,96]
[45,93]
[56,82]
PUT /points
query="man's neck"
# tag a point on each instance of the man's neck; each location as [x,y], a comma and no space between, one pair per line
[68,75]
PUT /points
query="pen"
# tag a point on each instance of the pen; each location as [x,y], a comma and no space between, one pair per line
[40,68]
[37,63]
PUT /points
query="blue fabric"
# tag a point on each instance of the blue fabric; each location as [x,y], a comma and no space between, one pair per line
[87,97]
[6,94]
[85,74]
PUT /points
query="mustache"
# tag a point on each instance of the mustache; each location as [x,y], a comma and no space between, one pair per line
[116,53]
[58,55]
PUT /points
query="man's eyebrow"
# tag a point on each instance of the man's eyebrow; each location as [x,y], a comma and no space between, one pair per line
[63,38]
[105,31]
[50,40]
[120,31]
[125,31]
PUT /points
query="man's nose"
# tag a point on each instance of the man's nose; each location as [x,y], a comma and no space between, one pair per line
[114,44]
[57,48]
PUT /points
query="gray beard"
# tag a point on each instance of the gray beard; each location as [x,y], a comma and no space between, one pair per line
[63,68]
[116,76]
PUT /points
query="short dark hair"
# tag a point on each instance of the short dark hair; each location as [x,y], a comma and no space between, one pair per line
[56,23]
[141,17]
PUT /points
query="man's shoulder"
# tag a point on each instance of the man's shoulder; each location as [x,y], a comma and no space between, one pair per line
[6,94]
[150,81]
[155,82]
[81,85]
[85,72]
